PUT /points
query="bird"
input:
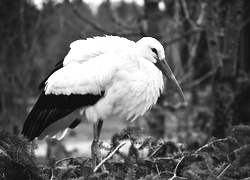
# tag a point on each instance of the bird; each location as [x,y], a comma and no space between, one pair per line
[100,78]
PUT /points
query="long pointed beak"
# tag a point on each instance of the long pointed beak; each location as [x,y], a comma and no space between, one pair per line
[164,67]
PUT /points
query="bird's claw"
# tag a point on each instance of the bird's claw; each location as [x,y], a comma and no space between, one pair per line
[96,153]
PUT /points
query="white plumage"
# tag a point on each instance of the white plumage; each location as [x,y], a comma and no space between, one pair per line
[109,77]
[131,83]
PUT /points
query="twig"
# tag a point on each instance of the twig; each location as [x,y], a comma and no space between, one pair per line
[157,169]
[109,156]
[209,144]
[187,33]
[202,14]
[185,9]
[176,168]
[190,85]
[155,151]
[244,23]
[164,158]
[187,14]
[201,79]
[218,177]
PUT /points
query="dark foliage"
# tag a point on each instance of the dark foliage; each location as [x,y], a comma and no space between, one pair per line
[17,159]
[218,159]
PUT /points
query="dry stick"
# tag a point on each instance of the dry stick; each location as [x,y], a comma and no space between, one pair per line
[187,14]
[235,151]
[201,79]
[202,14]
[189,86]
[218,177]
[159,173]
[164,158]
[182,36]
[176,168]
[108,157]
[243,24]
[209,144]
[155,151]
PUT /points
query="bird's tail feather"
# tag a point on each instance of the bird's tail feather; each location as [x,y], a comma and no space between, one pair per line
[44,114]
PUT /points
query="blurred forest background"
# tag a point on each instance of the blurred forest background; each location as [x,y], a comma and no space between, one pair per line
[206,43]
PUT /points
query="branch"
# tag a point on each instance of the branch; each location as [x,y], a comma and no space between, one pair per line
[175,170]
[201,17]
[187,33]
[209,144]
[186,13]
[200,80]
[155,151]
[189,85]
[244,23]
[109,156]
[185,9]
[218,177]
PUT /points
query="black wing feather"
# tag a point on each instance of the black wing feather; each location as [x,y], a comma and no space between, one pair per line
[50,108]
[75,123]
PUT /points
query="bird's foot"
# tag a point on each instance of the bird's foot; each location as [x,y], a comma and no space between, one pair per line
[96,155]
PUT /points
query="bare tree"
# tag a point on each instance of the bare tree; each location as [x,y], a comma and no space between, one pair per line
[224,61]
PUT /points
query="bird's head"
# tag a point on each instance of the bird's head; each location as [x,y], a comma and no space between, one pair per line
[152,50]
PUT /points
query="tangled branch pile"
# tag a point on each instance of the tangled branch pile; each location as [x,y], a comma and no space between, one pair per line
[218,159]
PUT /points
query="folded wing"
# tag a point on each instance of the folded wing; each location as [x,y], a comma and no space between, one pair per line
[78,81]
[51,108]
[67,89]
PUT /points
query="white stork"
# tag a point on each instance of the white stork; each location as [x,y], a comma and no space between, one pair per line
[101,78]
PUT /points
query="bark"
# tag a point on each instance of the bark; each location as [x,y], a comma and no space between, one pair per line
[224,79]
[245,39]
[242,98]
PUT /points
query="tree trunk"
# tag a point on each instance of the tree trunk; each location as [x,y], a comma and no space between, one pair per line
[224,79]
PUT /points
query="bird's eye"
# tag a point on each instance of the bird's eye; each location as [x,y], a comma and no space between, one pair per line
[155,51]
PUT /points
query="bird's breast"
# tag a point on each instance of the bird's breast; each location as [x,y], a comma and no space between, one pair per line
[132,92]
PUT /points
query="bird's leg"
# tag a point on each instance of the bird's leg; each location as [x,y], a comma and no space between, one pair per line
[96,154]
